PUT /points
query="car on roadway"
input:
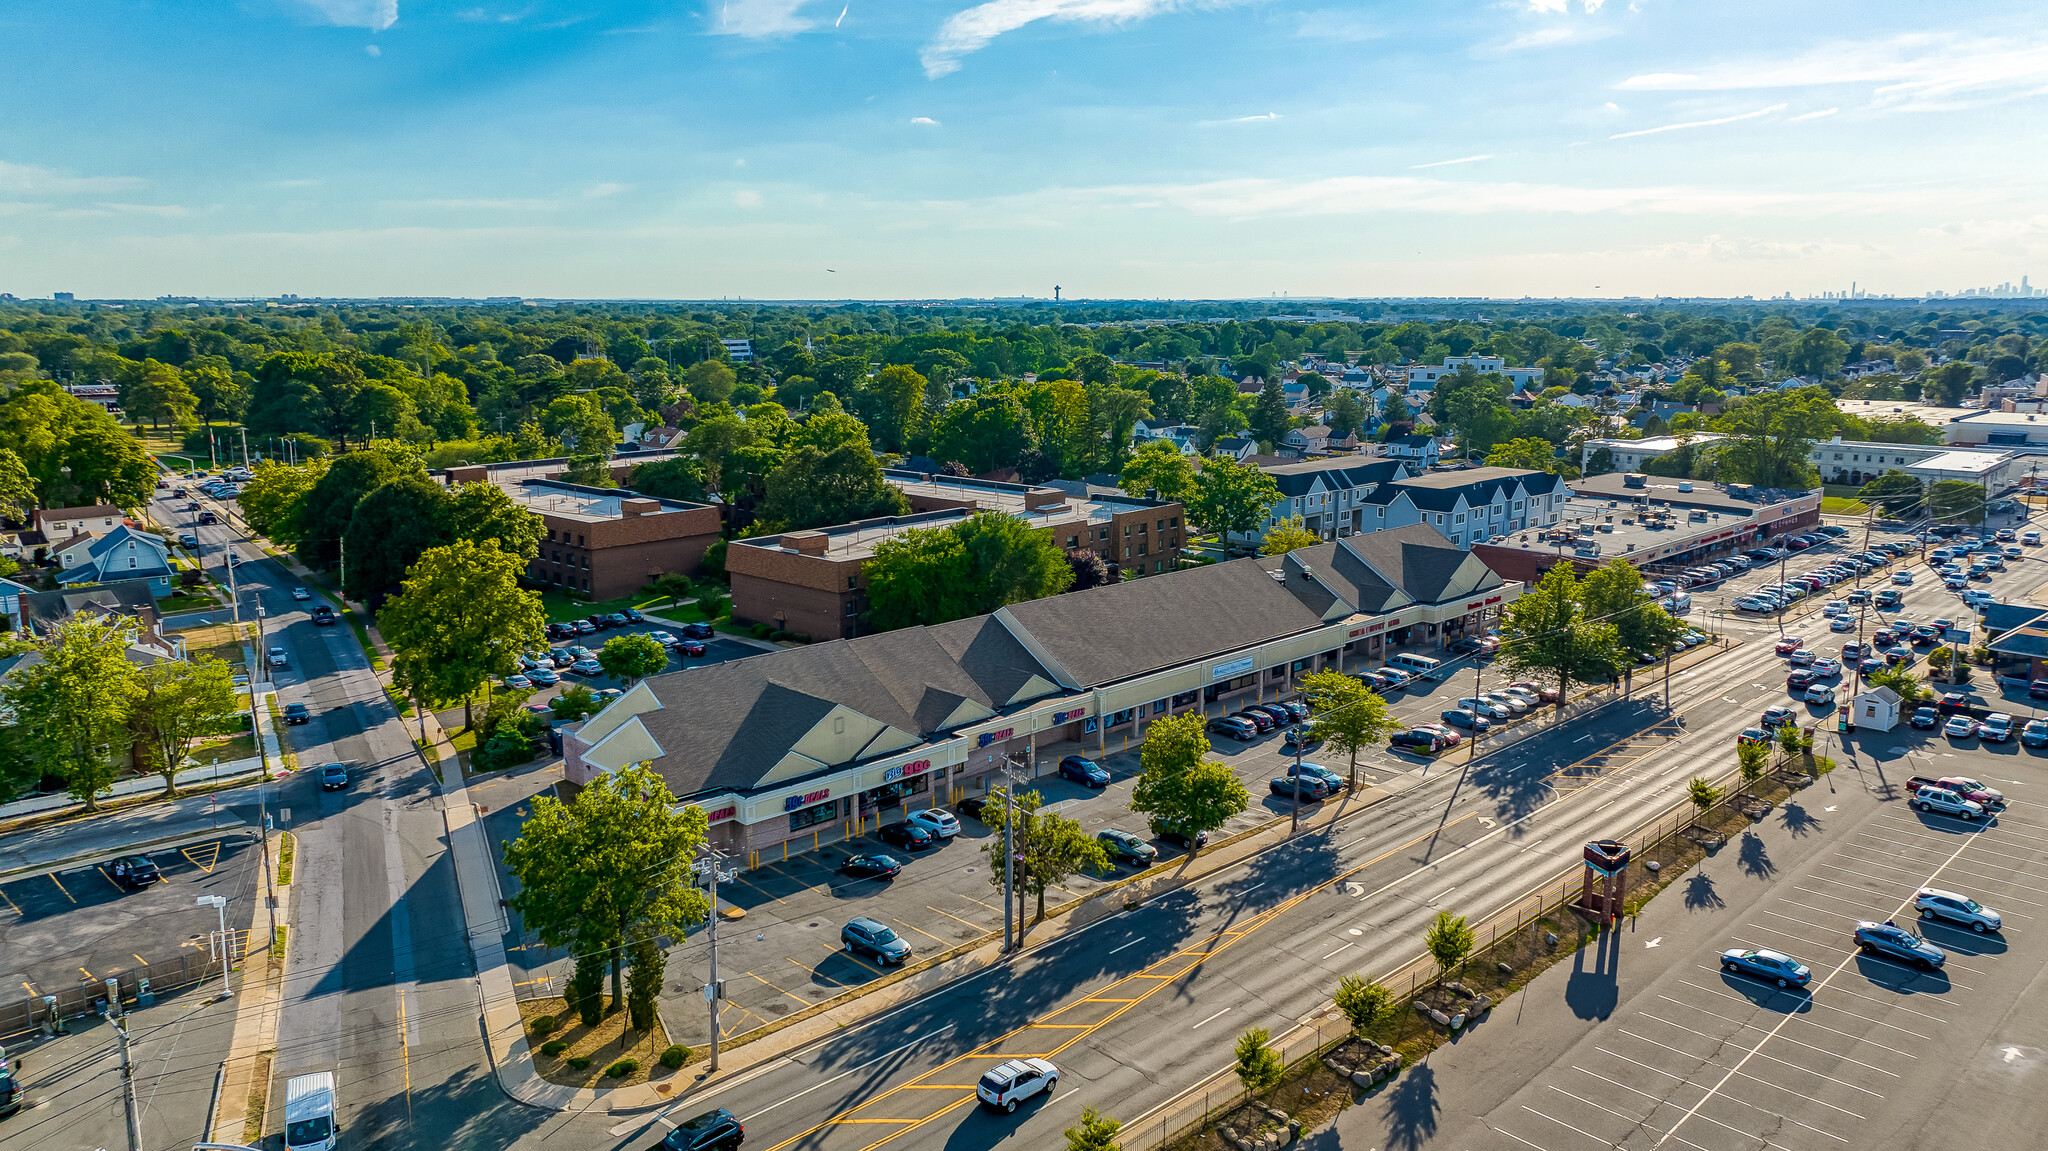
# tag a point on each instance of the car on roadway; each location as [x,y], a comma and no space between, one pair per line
[587,666]
[1789,644]
[2035,734]
[1465,717]
[1996,727]
[1771,966]
[134,872]
[1777,717]
[1124,847]
[1895,942]
[279,657]
[1233,727]
[908,836]
[1834,608]
[1084,771]
[1859,597]
[1012,1083]
[334,777]
[1934,903]
[936,820]
[1802,679]
[301,595]
[718,1130]
[875,865]
[1755,735]
[1842,623]
[296,714]
[544,677]
[1826,667]
[1819,693]
[324,616]
[873,937]
[189,540]
[1955,582]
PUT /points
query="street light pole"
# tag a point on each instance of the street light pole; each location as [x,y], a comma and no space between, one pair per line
[133,1115]
[707,869]
[220,905]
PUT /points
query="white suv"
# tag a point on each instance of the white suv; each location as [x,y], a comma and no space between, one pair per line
[1016,1081]
[939,823]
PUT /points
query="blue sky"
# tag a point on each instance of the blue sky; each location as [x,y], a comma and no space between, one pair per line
[855,149]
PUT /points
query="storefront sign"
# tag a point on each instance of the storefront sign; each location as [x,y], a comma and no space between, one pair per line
[792,802]
[1356,632]
[989,737]
[1474,603]
[1235,667]
[906,771]
[1069,716]
[726,812]
[1493,599]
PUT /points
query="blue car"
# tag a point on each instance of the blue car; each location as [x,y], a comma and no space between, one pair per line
[1771,966]
[1331,780]
[1894,942]
[1311,788]
[1462,717]
[1084,771]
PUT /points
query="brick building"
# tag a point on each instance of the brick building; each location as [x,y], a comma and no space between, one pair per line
[815,582]
[606,542]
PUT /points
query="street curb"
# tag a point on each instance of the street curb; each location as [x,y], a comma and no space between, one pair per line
[161,842]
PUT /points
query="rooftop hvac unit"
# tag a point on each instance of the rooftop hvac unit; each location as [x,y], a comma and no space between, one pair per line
[1685,485]
[1635,480]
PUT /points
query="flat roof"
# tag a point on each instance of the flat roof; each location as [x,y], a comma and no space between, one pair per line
[1467,477]
[1633,540]
[1655,443]
[1665,489]
[1978,461]
[571,501]
[2003,419]
[858,540]
[1890,409]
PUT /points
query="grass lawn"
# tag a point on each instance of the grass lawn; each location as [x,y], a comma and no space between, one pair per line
[355,624]
[185,601]
[241,746]
[1843,506]
[562,607]
[217,641]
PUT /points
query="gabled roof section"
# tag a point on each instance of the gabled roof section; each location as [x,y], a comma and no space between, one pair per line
[1424,565]
[1338,474]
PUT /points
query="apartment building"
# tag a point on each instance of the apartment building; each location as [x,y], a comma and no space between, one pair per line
[607,542]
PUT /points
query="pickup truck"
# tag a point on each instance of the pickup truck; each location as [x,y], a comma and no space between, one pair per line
[1962,785]
[1947,802]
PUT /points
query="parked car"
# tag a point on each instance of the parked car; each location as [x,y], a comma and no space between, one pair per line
[334,777]
[518,681]
[616,619]
[906,835]
[938,821]
[1233,727]
[1169,833]
[1312,787]
[1414,739]
[583,626]
[1925,717]
[1895,942]
[1123,847]
[1959,727]
[1773,966]
[691,647]
[1280,715]
[1545,694]
[1490,708]
[1013,1082]
[1295,709]
[1941,799]
[1970,789]
[587,667]
[560,631]
[1996,727]
[1934,903]
[875,866]
[697,631]
[2035,734]
[1303,735]
[1464,717]
[1084,771]
[296,714]
[134,872]
[862,935]
[633,616]
[972,806]
[718,1130]
[1258,719]
[544,676]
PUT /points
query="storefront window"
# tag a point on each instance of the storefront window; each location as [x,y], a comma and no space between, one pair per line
[892,794]
[823,813]
[1184,698]
[1158,707]
[1124,716]
[1304,664]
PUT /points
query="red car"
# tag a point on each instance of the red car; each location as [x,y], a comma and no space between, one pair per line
[1788,645]
[691,647]
[1546,694]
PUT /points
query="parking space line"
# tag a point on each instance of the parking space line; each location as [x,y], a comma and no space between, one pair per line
[950,915]
[1779,931]
[779,987]
[1708,1063]
[1959,871]
[108,878]
[1820,910]
[990,906]
[819,974]
[1837,898]
[1809,1046]
[929,935]
[1732,1099]
[1512,1135]
[1644,1122]
[8,902]
[1839,883]
[60,887]
[1829,1006]
[855,958]
[757,887]
[1588,1134]
[1645,1125]
[1718,1042]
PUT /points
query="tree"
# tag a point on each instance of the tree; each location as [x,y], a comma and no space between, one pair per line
[1751,759]
[1052,847]
[1951,382]
[483,513]
[1348,715]
[176,704]
[17,488]
[1258,1065]
[74,701]
[1095,1132]
[1704,795]
[811,488]
[1956,501]
[1287,536]
[1771,435]
[1533,454]
[1012,561]
[710,381]
[1231,498]
[680,478]
[325,510]
[1365,1003]
[1449,940]
[919,576]
[1158,466]
[1346,414]
[273,502]
[460,619]
[158,394]
[828,430]
[1089,569]
[1178,785]
[1614,593]
[220,391]
[650,963]
[1547,633]
[1903,682]
[1269,419]
[632,657]
[1063,424]
[391,527]
[1894,491]
[609,867]
[1818,353]
[898,394]
[582,425]
[574,702]
[986,432]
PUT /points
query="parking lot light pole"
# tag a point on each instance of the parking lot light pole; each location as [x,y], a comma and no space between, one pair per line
[220,904]
[706,867]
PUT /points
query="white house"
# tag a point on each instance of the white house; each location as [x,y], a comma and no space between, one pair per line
[60,524]
[1420,375]
[1235,447]
[1630,454]
[1417,451]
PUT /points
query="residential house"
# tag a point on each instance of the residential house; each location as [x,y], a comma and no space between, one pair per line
[1422,376]
[125,553]
[1470,505]
[134,601]
[1313,439]
[1326,494]
[1235,447]
[1417,451]
[60,524]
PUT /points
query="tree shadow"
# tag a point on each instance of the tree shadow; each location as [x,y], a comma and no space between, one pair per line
[1592,993]
[1700,894]
[1754,858]
[1797,820]
[1412,1108]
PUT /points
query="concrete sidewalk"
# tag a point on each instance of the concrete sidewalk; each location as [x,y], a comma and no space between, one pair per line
[157,825]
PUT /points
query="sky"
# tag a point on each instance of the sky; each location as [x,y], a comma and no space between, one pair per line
[850,149]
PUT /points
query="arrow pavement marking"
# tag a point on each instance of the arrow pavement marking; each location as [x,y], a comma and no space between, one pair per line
[1654,942]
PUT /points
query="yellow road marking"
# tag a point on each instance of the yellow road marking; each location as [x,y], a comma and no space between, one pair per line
[108,878]
[192,854]
[28,986]
[950,915]
[8,902]
[990,906]
[814,971]
[779,987]
[930,936]
[86,973]
[769,894]
[61,887]
[140,959]
[854,958]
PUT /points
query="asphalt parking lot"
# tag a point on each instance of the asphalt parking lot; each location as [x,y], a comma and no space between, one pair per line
[1643,1040]
[78,926]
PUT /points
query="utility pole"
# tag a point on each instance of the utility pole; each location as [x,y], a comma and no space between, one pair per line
[1013,938]
[245,447]
[707,869]
[134,1116]
[219,903]
[1299,735]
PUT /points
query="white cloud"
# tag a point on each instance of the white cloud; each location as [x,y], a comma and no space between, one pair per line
[1699,123]
[759,18]
[1918,71]
[1249,119]
[1561,5]
[925,120]
[746,198]
[600,191]
[1447,163]
[478,205]
[376,15]
[373,50]
[1804,116]
[971,30]
[36,180]
[1337,27]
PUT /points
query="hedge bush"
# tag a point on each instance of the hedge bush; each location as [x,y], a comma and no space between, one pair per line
[622,1068]
[542,1024]
[579,1062]
[675,1056]
[554,1047]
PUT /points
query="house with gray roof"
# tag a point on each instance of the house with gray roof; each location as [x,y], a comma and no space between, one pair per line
[125,553]
[1473,504]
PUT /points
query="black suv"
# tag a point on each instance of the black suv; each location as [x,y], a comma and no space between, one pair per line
[718,1130]
[134,872]
[908,836]
[696,631]
[296,713]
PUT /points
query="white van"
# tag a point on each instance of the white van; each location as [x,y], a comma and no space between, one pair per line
[309,1112]
[1417,665]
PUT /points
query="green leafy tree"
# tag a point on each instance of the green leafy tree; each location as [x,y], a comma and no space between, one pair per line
[632,657]
[1064,425]
[17,487]
[574,702]
[1179,786]
[1547,633]
[1348,715]
[919,576]
[828,430]
[461,619]
[74,702]
[710,381]
[1614,592]
[1346,414]
[985,432]
[1956,502]
[1771,435]
[610,867]
[327,507]
[1752,758]
[1095,1132]
[1365,1003]
[811,488]
[1903,683]
[158,394]
[1704,796]
[483,513]
[1288,536]
[1010,560]
[391,527]
[220,391]
[1115,411]
[1269,419]
[1533,454]
[273,502]
[1231,497]
[680,478]
[898,395]
[1158,466]
[1053,848]
[1818,353]
[175,705]
[1258,1065]
[1895,491]
[1449,940]
[582,424]
[650,964]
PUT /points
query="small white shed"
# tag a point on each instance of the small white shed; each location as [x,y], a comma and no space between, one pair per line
[1877,709]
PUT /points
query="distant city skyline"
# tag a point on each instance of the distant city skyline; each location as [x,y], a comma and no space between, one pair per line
[942,148]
